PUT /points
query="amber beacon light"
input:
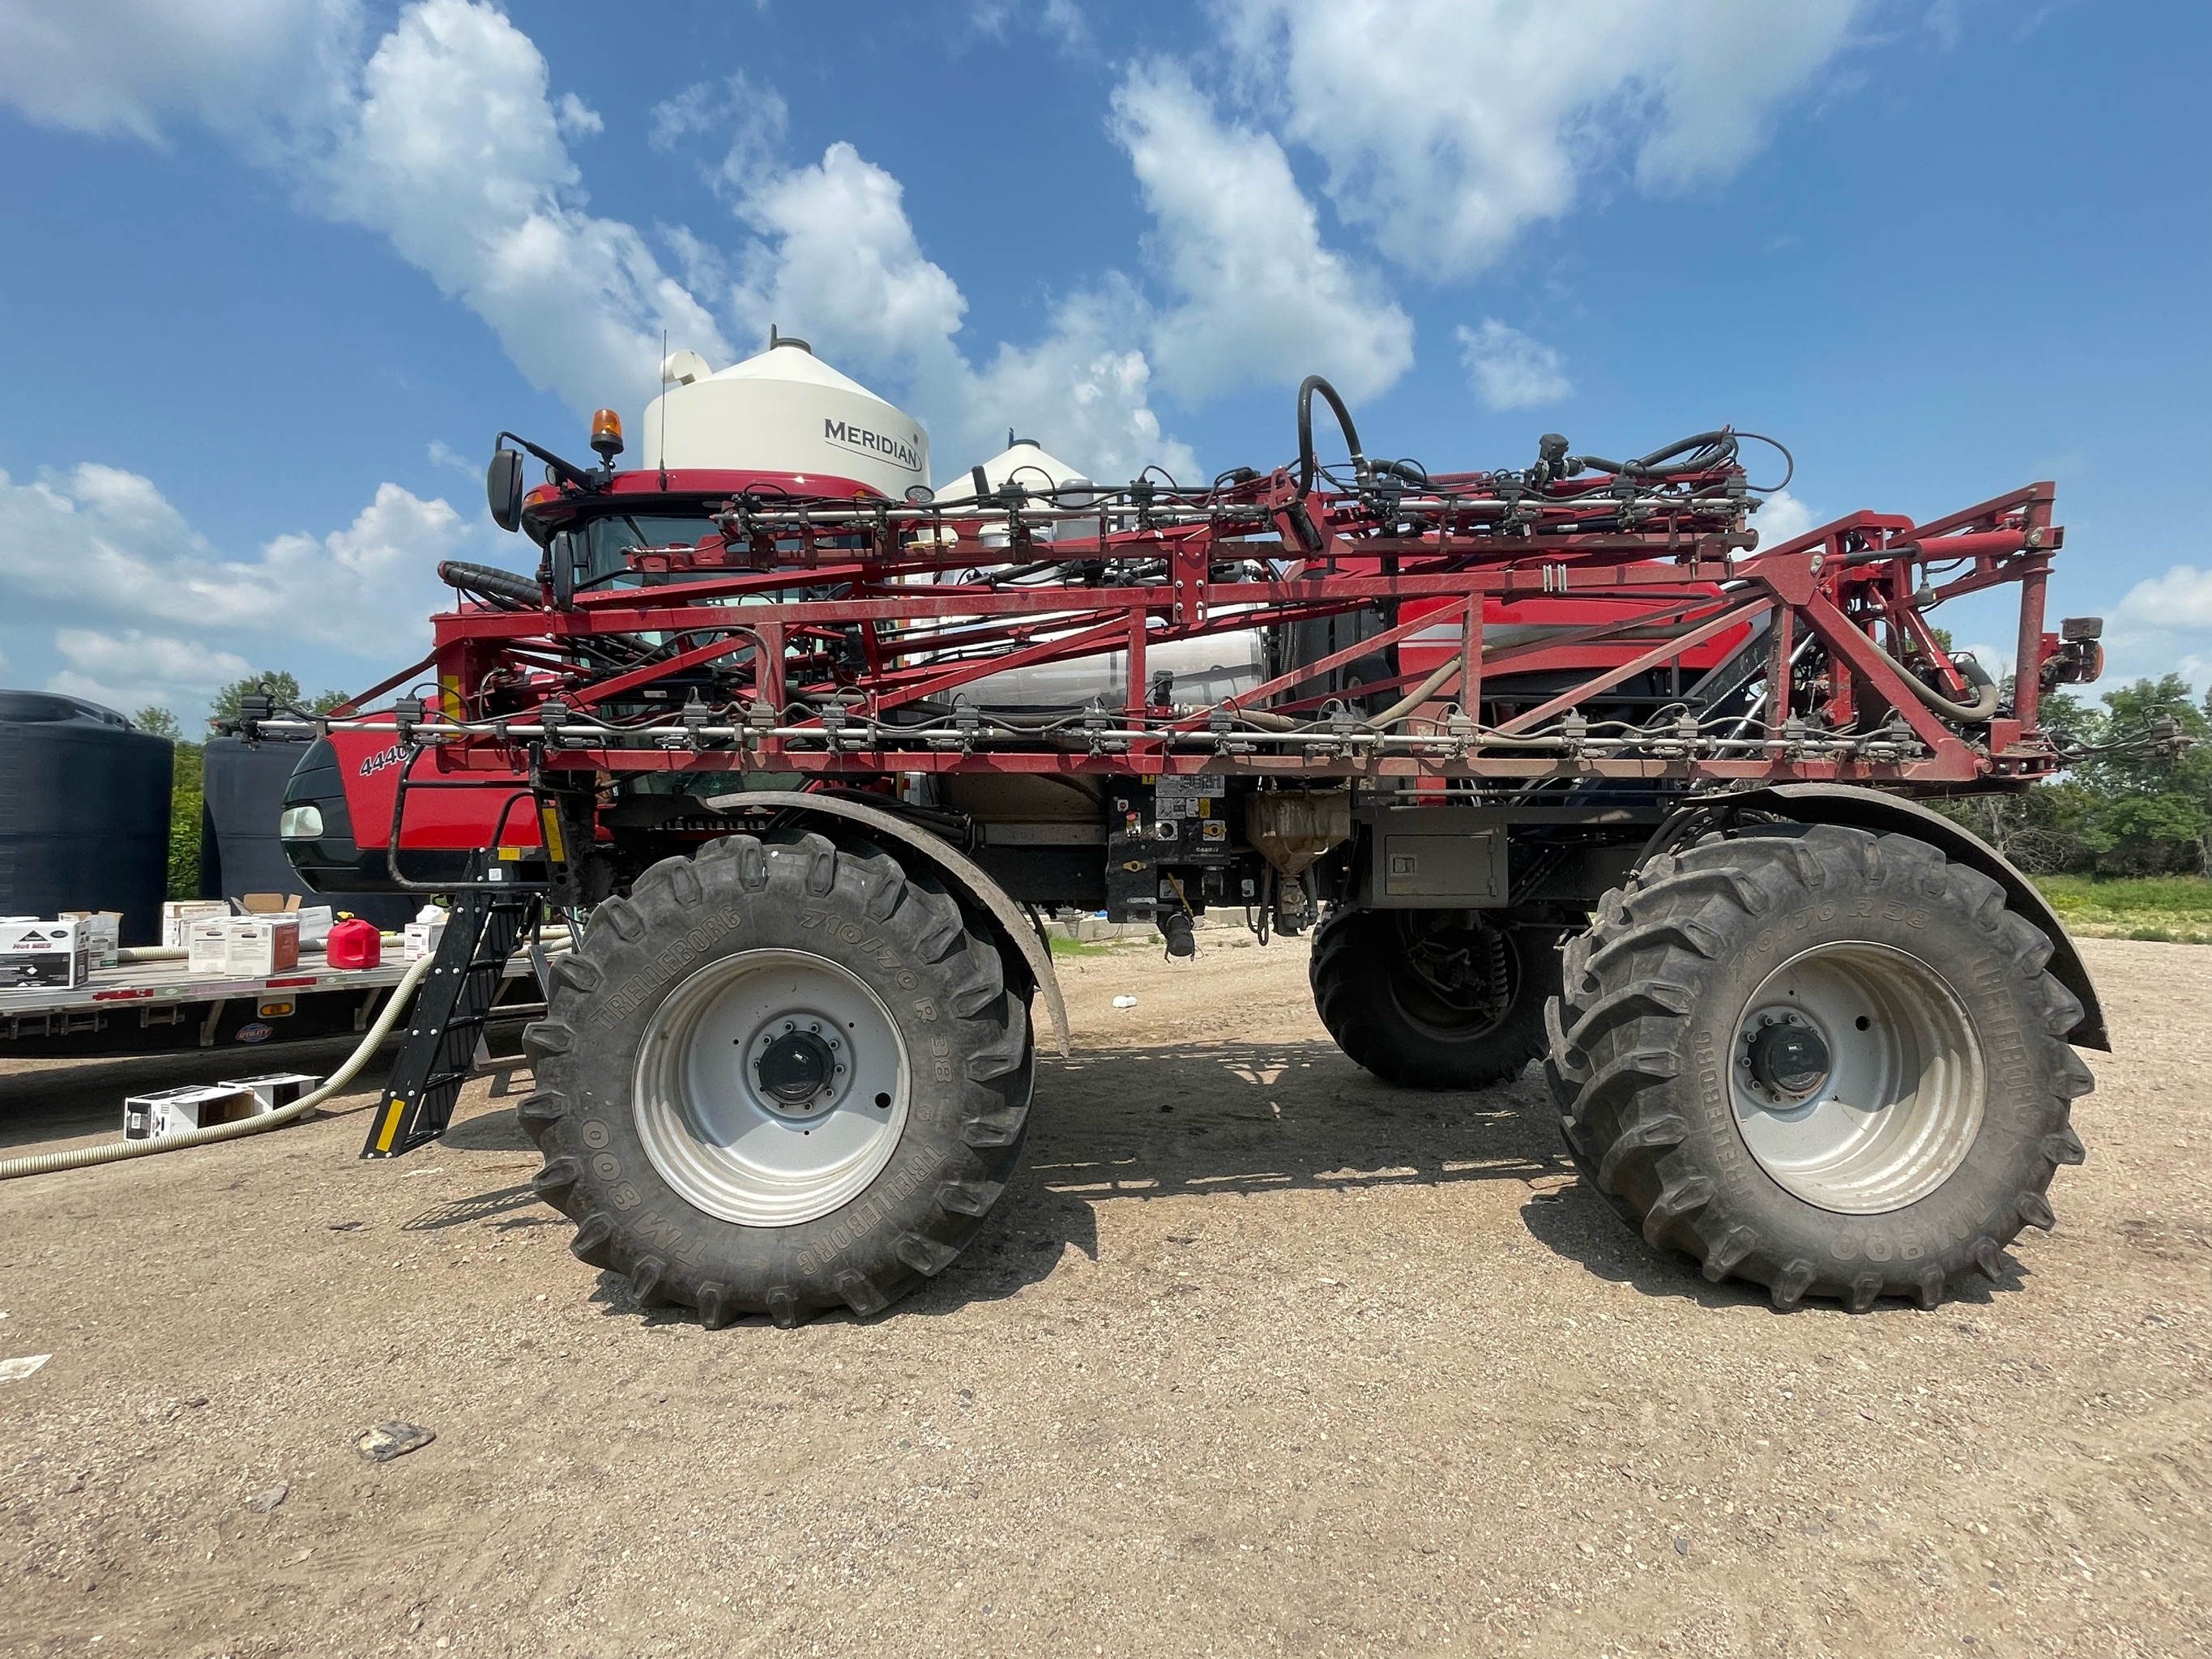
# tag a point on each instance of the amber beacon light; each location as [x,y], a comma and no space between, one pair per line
[606,434]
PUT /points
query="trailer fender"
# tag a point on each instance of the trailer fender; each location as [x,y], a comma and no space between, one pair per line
[957,871]
[1871,809]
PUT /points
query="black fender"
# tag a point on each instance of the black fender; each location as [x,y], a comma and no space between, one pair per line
[956,870]
[1871,809]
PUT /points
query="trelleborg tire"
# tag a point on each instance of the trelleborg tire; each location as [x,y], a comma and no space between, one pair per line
[1826,1061]
[779,1076]
[1380,986]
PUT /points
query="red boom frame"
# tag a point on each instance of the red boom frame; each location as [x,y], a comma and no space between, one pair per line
[819,681]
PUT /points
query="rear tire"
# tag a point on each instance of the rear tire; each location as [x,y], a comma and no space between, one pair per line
[1826,1061]
[1431,999]
[779,1078]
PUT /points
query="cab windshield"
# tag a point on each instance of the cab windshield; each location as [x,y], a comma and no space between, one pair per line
[596,547]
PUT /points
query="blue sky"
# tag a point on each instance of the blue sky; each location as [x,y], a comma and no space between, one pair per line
[276,270]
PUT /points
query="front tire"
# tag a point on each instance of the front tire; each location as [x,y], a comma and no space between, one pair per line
[1826,1061]
[779,1078]
[1433,998]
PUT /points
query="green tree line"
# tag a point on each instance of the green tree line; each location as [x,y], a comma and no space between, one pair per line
[187,788]
[2141,810]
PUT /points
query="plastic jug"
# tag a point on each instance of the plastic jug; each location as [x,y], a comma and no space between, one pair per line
[353,943]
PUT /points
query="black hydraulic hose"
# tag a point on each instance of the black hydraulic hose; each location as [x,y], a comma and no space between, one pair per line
[485,579]
[1309,469]
[1724,437]
[1708,444]
[1973,713]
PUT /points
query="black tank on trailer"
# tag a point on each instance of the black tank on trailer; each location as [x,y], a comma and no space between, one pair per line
[84,813]
[241,850]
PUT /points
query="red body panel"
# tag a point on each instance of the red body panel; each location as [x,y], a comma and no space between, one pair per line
[370,763]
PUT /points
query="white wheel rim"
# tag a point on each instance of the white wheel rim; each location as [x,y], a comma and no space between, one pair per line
[1900,1099]
[721,1061]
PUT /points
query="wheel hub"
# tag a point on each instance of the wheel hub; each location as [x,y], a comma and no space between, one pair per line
[797,1068]
[1788,1058]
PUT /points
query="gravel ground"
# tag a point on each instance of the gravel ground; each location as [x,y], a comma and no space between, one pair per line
[1258,1356]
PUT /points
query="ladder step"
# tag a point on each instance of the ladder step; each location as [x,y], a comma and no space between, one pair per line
[452,1009]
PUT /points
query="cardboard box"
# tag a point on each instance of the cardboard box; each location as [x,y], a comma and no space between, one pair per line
[276,1089]
[45,954]
[102,928]
[179,914]
[243,947]
[196,1106]
[421,938]
[314,919]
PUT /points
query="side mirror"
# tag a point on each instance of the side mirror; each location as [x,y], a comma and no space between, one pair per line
[503,488]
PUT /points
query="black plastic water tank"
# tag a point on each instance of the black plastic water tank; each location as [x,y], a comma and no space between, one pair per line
[84,813]
[240,849]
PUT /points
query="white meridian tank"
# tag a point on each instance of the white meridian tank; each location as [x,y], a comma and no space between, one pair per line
[1025,461]
[1198,672]
[783,410]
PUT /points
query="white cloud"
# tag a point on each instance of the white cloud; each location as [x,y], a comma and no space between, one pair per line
[842,256]
[838,263]
[1258,300]
[576,119]
[1083,391]
[2179,601]
[1447,126]
[443,453]
[754,116]
[261,71]
[1060,21]
[2162,625]
[455,152]
[1254,295]
[677,117]
[1781,517]
[97,565]
[449,140]
[1508,369]
[133,670]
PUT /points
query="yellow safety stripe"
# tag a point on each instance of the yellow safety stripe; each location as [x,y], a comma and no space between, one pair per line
[392,1116]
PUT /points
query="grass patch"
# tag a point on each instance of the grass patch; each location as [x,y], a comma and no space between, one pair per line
[2177,909]
[1096,947]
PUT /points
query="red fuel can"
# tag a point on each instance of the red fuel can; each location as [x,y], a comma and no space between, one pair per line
[353,943]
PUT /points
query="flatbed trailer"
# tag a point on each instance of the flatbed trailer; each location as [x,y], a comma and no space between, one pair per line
[1559,761]
[158,1007]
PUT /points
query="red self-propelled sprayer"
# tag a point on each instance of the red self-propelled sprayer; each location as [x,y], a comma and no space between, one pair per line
[1556,762]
